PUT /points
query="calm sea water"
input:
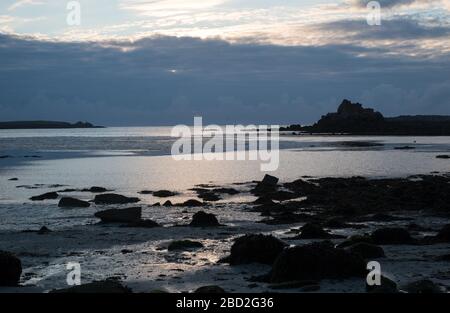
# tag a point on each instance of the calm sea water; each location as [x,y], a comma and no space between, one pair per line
[132,159]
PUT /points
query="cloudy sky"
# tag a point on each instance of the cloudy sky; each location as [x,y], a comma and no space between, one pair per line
[160,62]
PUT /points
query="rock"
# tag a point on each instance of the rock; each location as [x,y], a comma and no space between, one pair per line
[168,203]
[255,249]
[367,250]
[184,245]
[281,195]
[67,202]
[95,189]
[314,231]
[209,196]
[444,234]
[422,286]
[387,286]
[106,287]
[45,196]
[263,200]
[316,261]
[10,269]
[164,193]
[202,219]
[130,215]
[443,156]
[145,192]
[210,289]
[192,203]
[43,231]
[392,236]
[112,198]
[13,179]
[126,251]
[268,184]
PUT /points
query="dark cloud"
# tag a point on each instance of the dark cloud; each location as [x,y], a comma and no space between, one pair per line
[168,80]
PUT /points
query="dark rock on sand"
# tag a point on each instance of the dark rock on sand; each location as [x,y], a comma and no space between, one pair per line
[367,250]
[192,203]
[404,148]
[387,286]
[255,249]
[145,192]
[444,234]
[44,231]
[129,215]
[268,184]
[10,269]
[106,287]
[112,198]
[316,261]
[184,245]
[314,231]
[202,219]
[207,195]
[45,196]
[95,189]
[229,191]
[422,286]
[210,289]
[168,203]
[164,193]
[68,202]
[392,236]
[13,179]
[443,156]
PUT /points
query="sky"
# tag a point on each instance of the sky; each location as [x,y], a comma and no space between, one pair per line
[162,62]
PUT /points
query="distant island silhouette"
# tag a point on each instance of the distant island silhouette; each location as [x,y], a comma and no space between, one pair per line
[353,118]
[44,124]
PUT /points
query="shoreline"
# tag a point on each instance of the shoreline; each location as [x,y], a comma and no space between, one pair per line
[138,257]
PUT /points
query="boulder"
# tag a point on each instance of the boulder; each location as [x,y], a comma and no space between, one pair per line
[104,287]
[68,202]
[129,215]
[168,203]
[210,289]
[202,219]
[314,231]
[164,193]
[255,248]
[95,189]
[392,236]
[367,250]
[387,286]
[184,245]
[192,203]
[45,196]
[44,231]
[422,286]
[10,269]
[316,261]
[268,184]
[112,198]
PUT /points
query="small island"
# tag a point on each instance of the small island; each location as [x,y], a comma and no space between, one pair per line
[45,125]
[354,119]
